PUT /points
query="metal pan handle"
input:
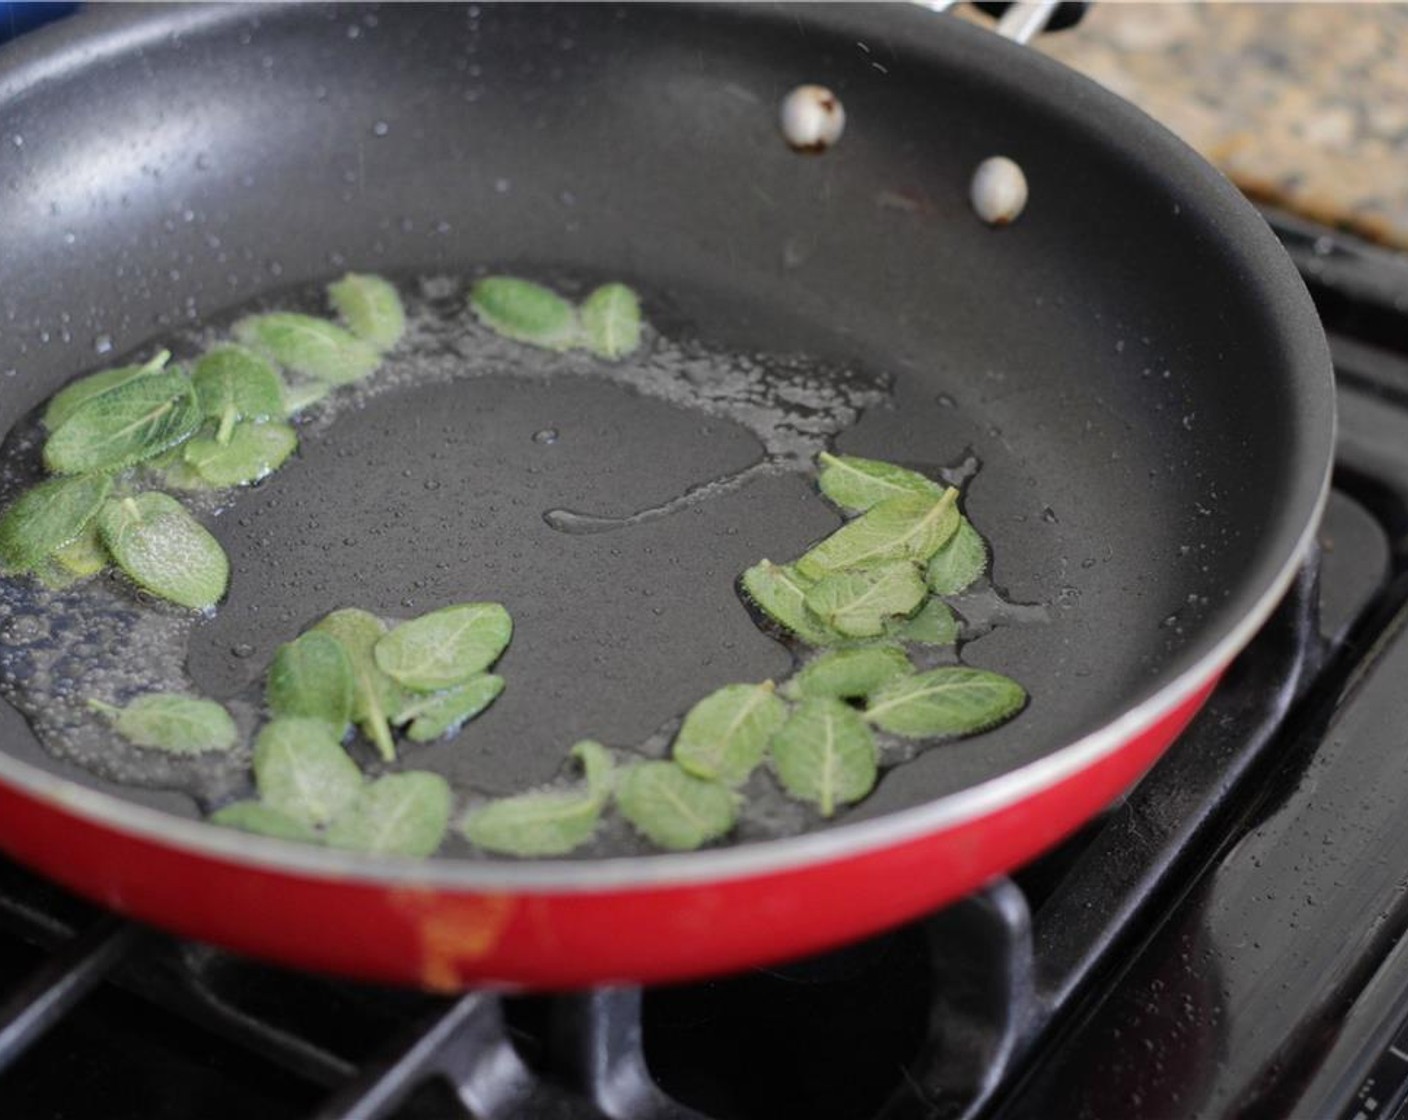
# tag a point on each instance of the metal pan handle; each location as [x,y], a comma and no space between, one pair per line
[1023,20]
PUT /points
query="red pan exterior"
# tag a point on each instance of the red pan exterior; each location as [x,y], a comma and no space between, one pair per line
[446,939]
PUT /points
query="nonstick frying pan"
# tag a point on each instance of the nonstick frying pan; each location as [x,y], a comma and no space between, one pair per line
[1135,363]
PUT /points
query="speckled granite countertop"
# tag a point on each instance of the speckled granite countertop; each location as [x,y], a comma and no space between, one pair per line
[1303,105]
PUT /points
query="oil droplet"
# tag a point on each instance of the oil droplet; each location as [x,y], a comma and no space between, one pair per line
[242,649]
[545,435]
[381,128]
[943,400]
[102,344]
[1049,515]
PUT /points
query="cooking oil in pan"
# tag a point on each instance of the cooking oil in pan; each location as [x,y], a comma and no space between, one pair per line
[103,640]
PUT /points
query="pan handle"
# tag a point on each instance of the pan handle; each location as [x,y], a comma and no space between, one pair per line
[1023,20]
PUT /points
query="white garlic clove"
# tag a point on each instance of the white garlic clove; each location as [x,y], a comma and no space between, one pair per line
[999,191]
[812,119]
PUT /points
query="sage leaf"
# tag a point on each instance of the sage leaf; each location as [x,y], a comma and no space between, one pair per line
[953,700]
[825,754]
[401,814]
[171,721]
[779,591]
[303,772]
[445,647]
[856,484]
[674,809]
[910,527]
[611,320]
[858,603]
[311,676]
[374,695]
[83,556]
[524,311]
[63,403]
[444,713]
[959,562]
[933,625]
[255,816]
[313,347]
[303,395]
[48,516]
[249,453]
[163,548]
[233,383]
[725,735]
[124,425]
[849,674]
[370,307]
[548,822]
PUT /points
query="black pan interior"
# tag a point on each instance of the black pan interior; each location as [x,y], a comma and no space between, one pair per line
[1133,364]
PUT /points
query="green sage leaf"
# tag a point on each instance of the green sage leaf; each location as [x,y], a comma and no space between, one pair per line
[304,394]
[47,517]
[959,562]
[524,311]
[856,484]
[910,527]
[63,403]
[444,713]
[445,647]
[163,548]
[547,822]
[171,721]
[933,625]
[370,307]
[849,674]
[124,425]
[313,347]
[83,556]
[780,591]
[674,809]
[858,603]
[250,452]
[725,735]
[311,676]
[611,320]
[953,700]
[401,814]
[374,695]
[825,754]
[233,383]
[303,772]
[255,816]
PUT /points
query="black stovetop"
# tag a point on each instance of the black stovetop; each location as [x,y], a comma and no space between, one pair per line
[1224,942]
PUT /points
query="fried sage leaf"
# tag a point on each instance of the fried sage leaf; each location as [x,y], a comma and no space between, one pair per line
[953,700]
[370,307]
[910,527]
[401,814]
[312,676]
[825,754]
[858,603]
[375,696]
[47,517]
[933,625]
[255,816]
[611,320]
[444,713]
[526,312]
[961,560]
[124,425]
[548,822]
[313,347]
[856,484]
[250,452]
[780,592]
[726,734]
[303,772]
[849,674]
[445,647]
[63,403]
[674,809]
[164,549]
[233,383]
[171,721]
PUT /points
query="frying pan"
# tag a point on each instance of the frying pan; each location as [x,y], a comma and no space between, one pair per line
[1135,363]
